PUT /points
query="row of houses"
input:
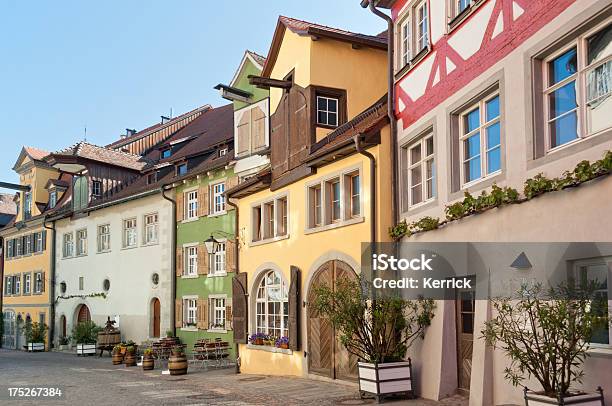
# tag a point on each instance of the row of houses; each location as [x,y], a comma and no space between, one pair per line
[219,222]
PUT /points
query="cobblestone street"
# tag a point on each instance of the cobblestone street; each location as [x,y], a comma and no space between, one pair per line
[93,380]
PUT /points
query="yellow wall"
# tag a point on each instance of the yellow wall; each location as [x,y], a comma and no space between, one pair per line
[37,178]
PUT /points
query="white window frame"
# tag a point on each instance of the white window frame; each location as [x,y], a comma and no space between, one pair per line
[481,105]
[191,204]
[218,260]
[190,255]
[52,199]
[453,6]
[81,243]
[218,207]
[421,38]
[130,232]
[262,298]
[265,220]
[104,238]
[17,284]
[27,283]
[264,105]
[214,310]
[151,229]
[422,165]
[27,245]
[327,111]
[579,78]
[68,245]
[96,188]
[190,312]
[38,289]
[38,242]
[405,37]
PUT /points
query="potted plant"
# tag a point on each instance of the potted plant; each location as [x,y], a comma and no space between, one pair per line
[546,334]
[283,342]
[379,332]
[258,338]
[177,362]
[117,354]
[130,356]
[169,334]
[148,362]
[85,335]
[35,336]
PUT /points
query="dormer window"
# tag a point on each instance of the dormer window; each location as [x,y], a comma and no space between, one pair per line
[96,188]
[52,199]
[152,178]
[181,169]
[166,153]
[27,205]
[327,111]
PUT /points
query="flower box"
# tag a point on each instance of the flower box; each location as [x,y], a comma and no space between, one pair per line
[86,349]
[578,399]
[35,347]
[385,379]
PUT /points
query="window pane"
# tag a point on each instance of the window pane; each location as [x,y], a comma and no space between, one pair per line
[472,146]
[493,137]
[431,186]
[332,118]
[322,117]
[563,100]
[562,67]
[599,97]
[493,108]
[415,154]
[472,121]
[600,45]
[564,129]
[321,103]
[462,5]
[493,160]
[415,177]
[429,146]
[332,105]
[598,273]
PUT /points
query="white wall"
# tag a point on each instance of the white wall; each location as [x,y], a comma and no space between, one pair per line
[129,270]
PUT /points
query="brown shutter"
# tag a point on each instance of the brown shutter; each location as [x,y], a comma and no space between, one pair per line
[180,206]
[258,128]
[230,255]
[203,204]
[179,261]
[178,313]
[202,322]
[202,260]
[44,240]
[240,308]
[294,309]
[243,132]
[278,138]
[299,133]
[228,313]
[43,282]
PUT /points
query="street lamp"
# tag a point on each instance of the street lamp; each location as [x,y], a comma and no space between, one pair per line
[212,245]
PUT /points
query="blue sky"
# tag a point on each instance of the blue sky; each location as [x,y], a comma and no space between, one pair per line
[111,65]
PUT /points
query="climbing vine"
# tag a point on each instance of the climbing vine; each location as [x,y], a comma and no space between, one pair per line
[100,294]
[497,197]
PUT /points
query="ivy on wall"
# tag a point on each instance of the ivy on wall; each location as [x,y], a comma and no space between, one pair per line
[100,294]
[497,197]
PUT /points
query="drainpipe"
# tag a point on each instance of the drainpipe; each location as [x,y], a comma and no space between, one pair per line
[172,259]
[51,282]
[390,104]
[372,159]
[237,250]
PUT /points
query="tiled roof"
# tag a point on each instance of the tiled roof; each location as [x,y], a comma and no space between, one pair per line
[35,153]
[259,58]
[362,123]
[104,155]
[303,27]
[7,204]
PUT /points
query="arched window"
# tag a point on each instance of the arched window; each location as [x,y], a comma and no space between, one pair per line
[272,306]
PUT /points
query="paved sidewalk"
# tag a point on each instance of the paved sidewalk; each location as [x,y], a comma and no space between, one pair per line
[95,381]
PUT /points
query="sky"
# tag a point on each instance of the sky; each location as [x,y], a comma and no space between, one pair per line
[111,65]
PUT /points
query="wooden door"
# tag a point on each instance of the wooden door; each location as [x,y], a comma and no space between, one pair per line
[326,354]
[464,305]
[83,314]
[63,324]
[156,321]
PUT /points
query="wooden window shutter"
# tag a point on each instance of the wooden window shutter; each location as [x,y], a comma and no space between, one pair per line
[240,308]
[299,138]
[203,265]
[230,255]
[202,322]
[294,309]
[42,278]
[44,240]
[178,313]
[228,313]
[180,206]
[244,132]
[278,137]
[258,125]
[203,202]
[179,261]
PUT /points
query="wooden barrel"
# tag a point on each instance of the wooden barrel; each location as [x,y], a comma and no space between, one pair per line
[130,360]
[177,364]
[117,358]
[148,363]
[109,337]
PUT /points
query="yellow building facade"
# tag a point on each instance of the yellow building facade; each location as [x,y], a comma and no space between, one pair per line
[27,250]
[303,221]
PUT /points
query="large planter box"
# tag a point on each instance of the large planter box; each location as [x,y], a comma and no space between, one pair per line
[86,349]
[586,399]
[35,347]
[385,379]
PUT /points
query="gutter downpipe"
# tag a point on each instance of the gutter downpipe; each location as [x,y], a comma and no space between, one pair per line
[373,185]
[236,233]
[51,283]
[172,259]
[390,104]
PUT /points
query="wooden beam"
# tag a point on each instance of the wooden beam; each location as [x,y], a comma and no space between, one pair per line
[266,83]
[14,186]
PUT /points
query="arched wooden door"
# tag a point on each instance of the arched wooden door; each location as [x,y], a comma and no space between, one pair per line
[84,314]
[155,313]
[326,355]
[63,326]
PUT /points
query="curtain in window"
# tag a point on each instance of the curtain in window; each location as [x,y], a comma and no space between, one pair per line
[599,84]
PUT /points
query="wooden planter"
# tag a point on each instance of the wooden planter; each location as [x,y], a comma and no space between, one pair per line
[583,399]
[385,379]
[86,349]
[148,363]
[36,347]
[117,358]
[130,360]
[177,364]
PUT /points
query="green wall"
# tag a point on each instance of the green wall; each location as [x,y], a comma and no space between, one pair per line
[242,83]
[198,231]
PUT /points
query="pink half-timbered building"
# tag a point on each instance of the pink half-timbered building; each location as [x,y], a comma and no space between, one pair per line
[495,92]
